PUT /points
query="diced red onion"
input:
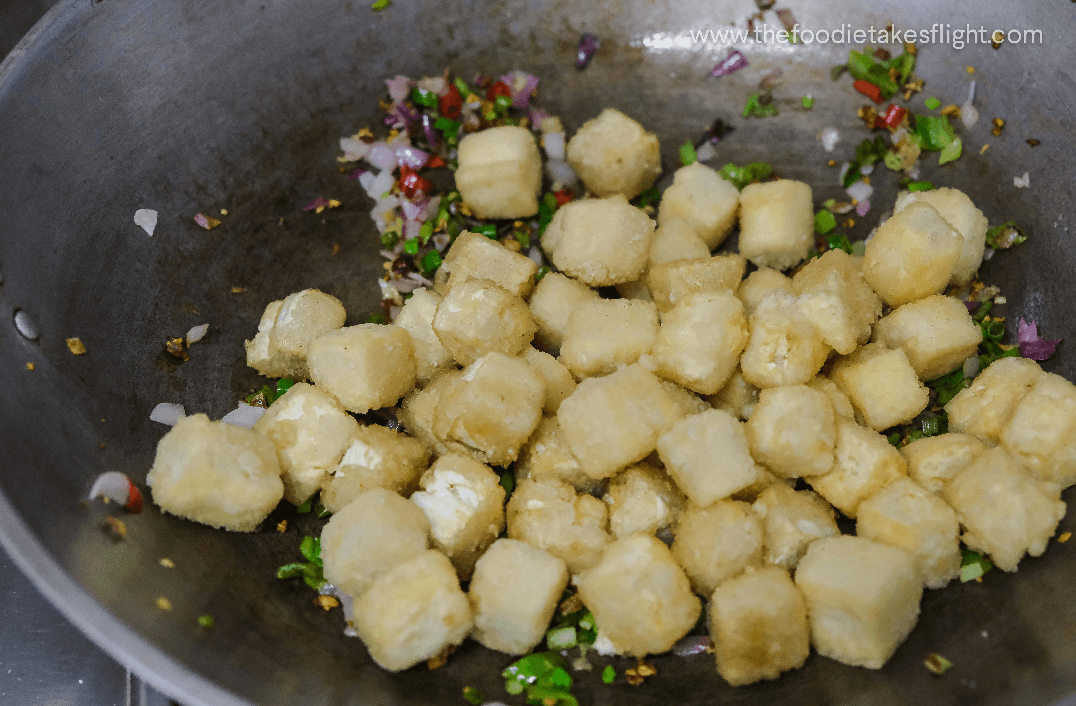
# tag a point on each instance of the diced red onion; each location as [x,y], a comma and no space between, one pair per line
[522,86]
[433,84]
[399,88]
[829,137]
[382,156]
[202,220]
[357,174]
[411,228]
[384,206]
[319,202]
[733,62]
[413,210]
[244,415]
[860,191]
[354,150]
[988,253]
[1022,182]
[401,116]
[403,286]
[420,279]
[536,116]
[1031,344]
[705,152]
[441,241]
[553,143]
[866,169]
[431,134]
[167,413]
[377,184]
[408,156]
[691,645]
[971,366]
[535,253]
[481,80]
[562,172]
[588,46]
[119,489]
[146,219]
[196,333]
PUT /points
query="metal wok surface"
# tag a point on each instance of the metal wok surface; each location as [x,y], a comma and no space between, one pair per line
[111,106]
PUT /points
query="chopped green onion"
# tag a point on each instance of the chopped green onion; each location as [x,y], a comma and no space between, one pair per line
[502,103]
[649,197]
[542,272]
[755,108]
[430,262]
[608,674]
[462,87]
[380,5]
[421,96]
[410,246]
[283,385]
[839,241]
[449,128]
[561,638]
[807,102]
[305,507]
[893,161]
[951,151]
[310,547]
[868,152]
[919,186]
[522,237]
[894,439]
[206,621]
[983,310]
[947,386]
[546,208]
[937,664]
[390,239]
[688,155]
[933,132]
[322,511]
[973,565]
[425,232]
[538,673]
[1005,236]
[932,426]
[824,222]
[859,248]
[932,103]
[473,696]
[487,229]
[864,66]
[377,319]
[508,482]
[742,176]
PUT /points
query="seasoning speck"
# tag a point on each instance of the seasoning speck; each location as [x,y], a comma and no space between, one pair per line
[1064,537]
[224,212]
[326,602]
[998,124]
[238,290]
[175,348]
[168,563]
[970,69]
[207,222]
[116,527]
[164,604]
[984,148]
[1032,142]
[336,248]
[937,664]
[29,366]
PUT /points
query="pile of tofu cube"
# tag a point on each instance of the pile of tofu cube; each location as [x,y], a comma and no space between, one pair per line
[658,437]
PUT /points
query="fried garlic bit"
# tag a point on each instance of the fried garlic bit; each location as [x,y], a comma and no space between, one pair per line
[1064,537]
[76,346]
[168,563]
[998,124]
[637,674]
[175,348]
[283,526]
[116,527]
[326,602]
[164,604]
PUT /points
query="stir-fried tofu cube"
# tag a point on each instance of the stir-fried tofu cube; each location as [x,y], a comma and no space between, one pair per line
[791,520]
[983,408]
[474,256]
[417,410]
[491,408]
[882,385]
[674,239]
[413,612]
[842,406]
[559,383]
[500,172]
[546,458]
[1041,433]
[862,598]
[642,499]
[478,316]
[366,367]
[613,421]
[671,282]
[464,502]
[783,347]
[758,624]
[600,241]
[265,358]
[1005,511]
[303,317]
[375,457]
[776,223]
[700,341]
[933,460]
[738,397]
[759,285]
[792,431]
[553,301]
[607,335]
[613,154]
[937,333]
[704,200]
[686,401]
[913,255]
[641,600]
[215,473]
[958,210]
[717,542]
[416,317]
[374,532]
[708,456]
[551,516]
[864,462]
[837,300]
[310,431]
[906,515]
[514,591]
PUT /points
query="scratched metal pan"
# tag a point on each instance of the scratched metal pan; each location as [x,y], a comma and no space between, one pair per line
[108,107]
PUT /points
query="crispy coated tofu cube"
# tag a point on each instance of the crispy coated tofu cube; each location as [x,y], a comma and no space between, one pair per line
[707,455]
[738,397]
[417,410]
[670,282]
[862,598]
[514,591]
[474,256]
[674,239]
[864,462]
[412,612]
[553,301]
[686,401]
[375,457]
[370,535]
[792,431]
[265,358]
[700,341]
[546,458]
[310,431]
[641,600]
[704,200]
[783,347]
[366,367]
[882,385]
[1006,512]
[837,300]
[842,406]
[758,624]
[776,223]
[464,502]
[491,408]
[559,383]
[215,473]
[613,154]
[599,241]
[717,542]
[642,499]
[759,285]
[936,332]
[500,172]
[303,317]
[765,479]
[607,335]
[611,422]
[933,460]
[904,514]
[983,408]
[1041,433]
[551,516]
[478,316]
[956,208]
[416,317]
[791,520]
[913,255]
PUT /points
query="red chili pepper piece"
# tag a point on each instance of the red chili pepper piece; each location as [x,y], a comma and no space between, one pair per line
[134,498]
[869,90]
[411,183]
[451,104]
[893,115]
[498,89]
[563,196]
[435,161]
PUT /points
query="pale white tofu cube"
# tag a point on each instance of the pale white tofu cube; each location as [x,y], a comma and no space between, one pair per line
[708,456]
[674,239]
[933,460]
[599,241]
[837,300]
[375,457]
[371,534]
[1005,511]
[792,431]
[477,317]
[303,317]
[983,408]
[614,154]
[310,431]
[704,200]
[366,367]
[882,385]
[474,256]
[791,520]
[758,624]
[500,172]
[216,474]
[642,499]
[862,598]
[700,341]
[936,332]
[864,462]
[738,397]
[759,285]
[1041,433]
[545,458]
[559,383]
[783,347]
[412,612]
[641,599]
[842,406]
[416,411]
[776,223]
[416,317]
[553,301]
[551,516]
[514,592]
[669,283]
[607,335]
[265,358]
[956,208]
[912,255]
[717,542]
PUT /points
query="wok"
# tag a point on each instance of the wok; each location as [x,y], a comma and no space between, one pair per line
[111,106]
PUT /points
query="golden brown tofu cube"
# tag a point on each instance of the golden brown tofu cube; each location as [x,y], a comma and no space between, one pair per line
[303,317]
[738,397]
[607,335]
[416,317]
[983,408]
[599,241]
[837,300]
[551,516]
[958,210]
[546,458]
[882,385]
[1041,433]
[559,383]
[842,406]
[474,256]
[642,499]
[937,333]
[366,367]
[553,301]
[478,316]
[704,200]
[717,542]
[265,358]
[417,411]
[792,431]
[700,340]
[933,460]
[375,457]
[670,282]
[776,223]
[864,462]
[708,456]
[783,347]
[791,520]
[500,172]
[614,154]
[674,239]
[759,285]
